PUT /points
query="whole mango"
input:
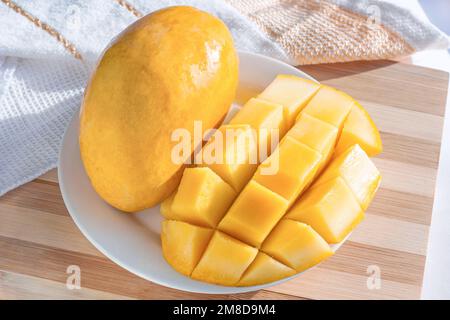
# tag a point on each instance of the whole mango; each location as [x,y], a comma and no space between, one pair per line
[169,69]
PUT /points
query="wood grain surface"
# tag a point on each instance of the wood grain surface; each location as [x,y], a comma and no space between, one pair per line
[39,240]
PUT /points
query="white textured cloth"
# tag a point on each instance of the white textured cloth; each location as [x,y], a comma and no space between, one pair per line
[41,83]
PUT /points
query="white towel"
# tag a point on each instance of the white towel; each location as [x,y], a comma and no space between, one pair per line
[41,83]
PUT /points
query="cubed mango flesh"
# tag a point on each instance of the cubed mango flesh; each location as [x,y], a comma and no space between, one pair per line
[254,213]
[296,245]
[224,261]
[292,92]
[242,221]
[360,129]
[330,208]
[202,198]
[264,117]
[183,244]
[232,153]
[330,105]
[265,269]
[296,165]
[358,171]
[316,134]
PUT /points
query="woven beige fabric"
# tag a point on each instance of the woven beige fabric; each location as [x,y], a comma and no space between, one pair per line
[314,31]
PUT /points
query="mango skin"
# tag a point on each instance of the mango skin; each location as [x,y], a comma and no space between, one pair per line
[165,71]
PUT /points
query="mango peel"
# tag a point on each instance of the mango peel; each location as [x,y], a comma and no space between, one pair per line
[167,70]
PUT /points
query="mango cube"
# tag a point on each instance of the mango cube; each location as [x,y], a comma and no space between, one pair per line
[296,166]
[358,171]
[296,245]
[264,117]
[224,260]
[360,129]
[330,105]
[202,198]
[254,213]
[331,209]
[232,153]
[265,269]
[316,134]
[166,207]
[292,92]
[183,244]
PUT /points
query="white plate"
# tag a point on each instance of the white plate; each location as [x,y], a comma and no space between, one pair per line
[133,240]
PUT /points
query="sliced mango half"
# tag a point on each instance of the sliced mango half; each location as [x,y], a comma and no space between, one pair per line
[241,222]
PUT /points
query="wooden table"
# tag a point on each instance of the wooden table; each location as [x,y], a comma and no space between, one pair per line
[39,241]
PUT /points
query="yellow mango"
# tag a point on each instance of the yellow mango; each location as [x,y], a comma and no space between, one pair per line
[360,129]
[292,92]
[265,269]
[358,171]
[254,213]
[263,116]
[237,159]
[297,164]
[331,209]
[296,245]
[202,198]
[183,244]
[224,260]
[330,105]
[316,134]
[167,70]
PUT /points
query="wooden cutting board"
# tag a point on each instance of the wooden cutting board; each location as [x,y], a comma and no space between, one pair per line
[39,240]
